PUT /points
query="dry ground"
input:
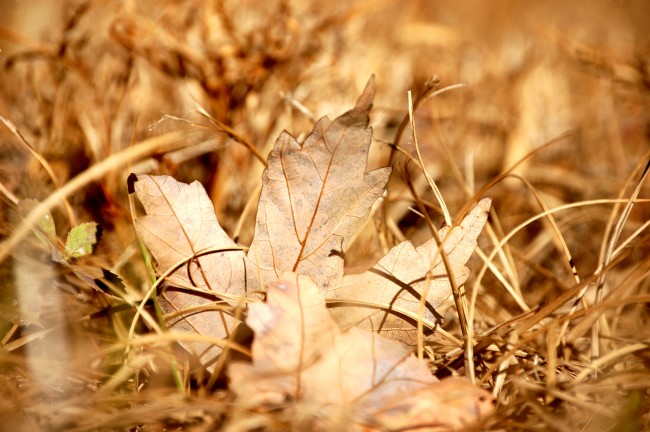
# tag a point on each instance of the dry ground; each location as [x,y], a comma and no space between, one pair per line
[567,84]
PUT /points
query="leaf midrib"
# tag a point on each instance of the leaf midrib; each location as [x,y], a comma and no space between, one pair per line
[303,243]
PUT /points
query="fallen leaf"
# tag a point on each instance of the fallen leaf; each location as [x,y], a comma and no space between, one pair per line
[453,403]
[292,328]
[82,239]
[179,225]
[300,354]
[399,279]
[99,279]
[314,197]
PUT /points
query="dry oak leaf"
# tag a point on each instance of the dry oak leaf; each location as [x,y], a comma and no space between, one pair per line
[314,197]
[363,379]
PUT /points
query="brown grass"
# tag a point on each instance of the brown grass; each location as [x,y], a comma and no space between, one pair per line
[95,90]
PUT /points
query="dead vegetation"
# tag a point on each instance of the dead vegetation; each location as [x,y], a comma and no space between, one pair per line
[542,108]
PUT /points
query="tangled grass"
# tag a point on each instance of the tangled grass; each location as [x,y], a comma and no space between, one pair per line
[543,107]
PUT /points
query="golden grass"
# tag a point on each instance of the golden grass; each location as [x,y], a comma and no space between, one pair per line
[543,107]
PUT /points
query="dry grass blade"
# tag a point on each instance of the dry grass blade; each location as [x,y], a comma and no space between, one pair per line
[44,163]
[557,311]
[607,252]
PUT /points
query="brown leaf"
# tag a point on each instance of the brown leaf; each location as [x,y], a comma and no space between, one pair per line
[180,223]
[453,403]
[314,197]
[293,329]
[299,353]
[399,278]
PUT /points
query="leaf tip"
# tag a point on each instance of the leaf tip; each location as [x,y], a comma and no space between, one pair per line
[485,204]
[368,96]
[130,182]
[358,116]
[364,103]
[477,216]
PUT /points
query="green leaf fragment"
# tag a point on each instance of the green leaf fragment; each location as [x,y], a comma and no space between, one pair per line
[82,239]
